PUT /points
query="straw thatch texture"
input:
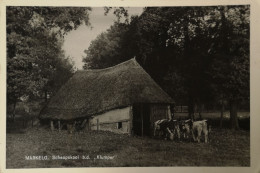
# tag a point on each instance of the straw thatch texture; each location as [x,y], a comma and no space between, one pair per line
[89,92]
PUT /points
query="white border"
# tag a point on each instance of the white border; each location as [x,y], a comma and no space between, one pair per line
[254,80]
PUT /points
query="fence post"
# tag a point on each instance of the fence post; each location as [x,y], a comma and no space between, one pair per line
[142,120]
[59,125]
[52,127]
[97,124]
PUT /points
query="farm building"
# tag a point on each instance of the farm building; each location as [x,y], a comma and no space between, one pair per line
[122,99]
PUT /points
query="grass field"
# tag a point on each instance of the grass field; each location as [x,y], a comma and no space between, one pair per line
[226,148]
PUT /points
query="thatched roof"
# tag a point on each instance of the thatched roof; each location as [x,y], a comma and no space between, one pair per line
[89,92]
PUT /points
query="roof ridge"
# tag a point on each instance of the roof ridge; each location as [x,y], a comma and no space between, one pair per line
[108,68]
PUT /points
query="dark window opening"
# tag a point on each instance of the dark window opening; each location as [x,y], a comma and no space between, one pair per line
[119,125]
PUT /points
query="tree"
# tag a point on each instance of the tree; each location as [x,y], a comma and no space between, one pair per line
[106,49]
[34,54]
[119,43]
[174,41]
[119,12]
[112,47]
[230,57]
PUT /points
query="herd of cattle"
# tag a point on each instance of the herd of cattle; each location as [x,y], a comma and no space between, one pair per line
[182,129]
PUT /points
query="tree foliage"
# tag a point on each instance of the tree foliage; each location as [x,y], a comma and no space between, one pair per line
[35,60]
[119,12]
[106,50]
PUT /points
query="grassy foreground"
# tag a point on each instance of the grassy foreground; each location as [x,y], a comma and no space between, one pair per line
[226,148]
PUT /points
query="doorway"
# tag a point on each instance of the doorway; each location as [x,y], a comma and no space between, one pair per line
[141,119]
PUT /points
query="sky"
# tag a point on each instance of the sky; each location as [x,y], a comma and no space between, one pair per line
[76,41]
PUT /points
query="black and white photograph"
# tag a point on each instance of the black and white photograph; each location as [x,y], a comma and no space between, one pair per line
[120,86]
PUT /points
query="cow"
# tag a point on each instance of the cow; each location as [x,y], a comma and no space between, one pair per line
[195,128]
[157,128]
[185,128]
[167,128]
[199,127]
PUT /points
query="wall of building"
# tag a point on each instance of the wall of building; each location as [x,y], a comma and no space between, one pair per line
[121,120]
[117,120]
